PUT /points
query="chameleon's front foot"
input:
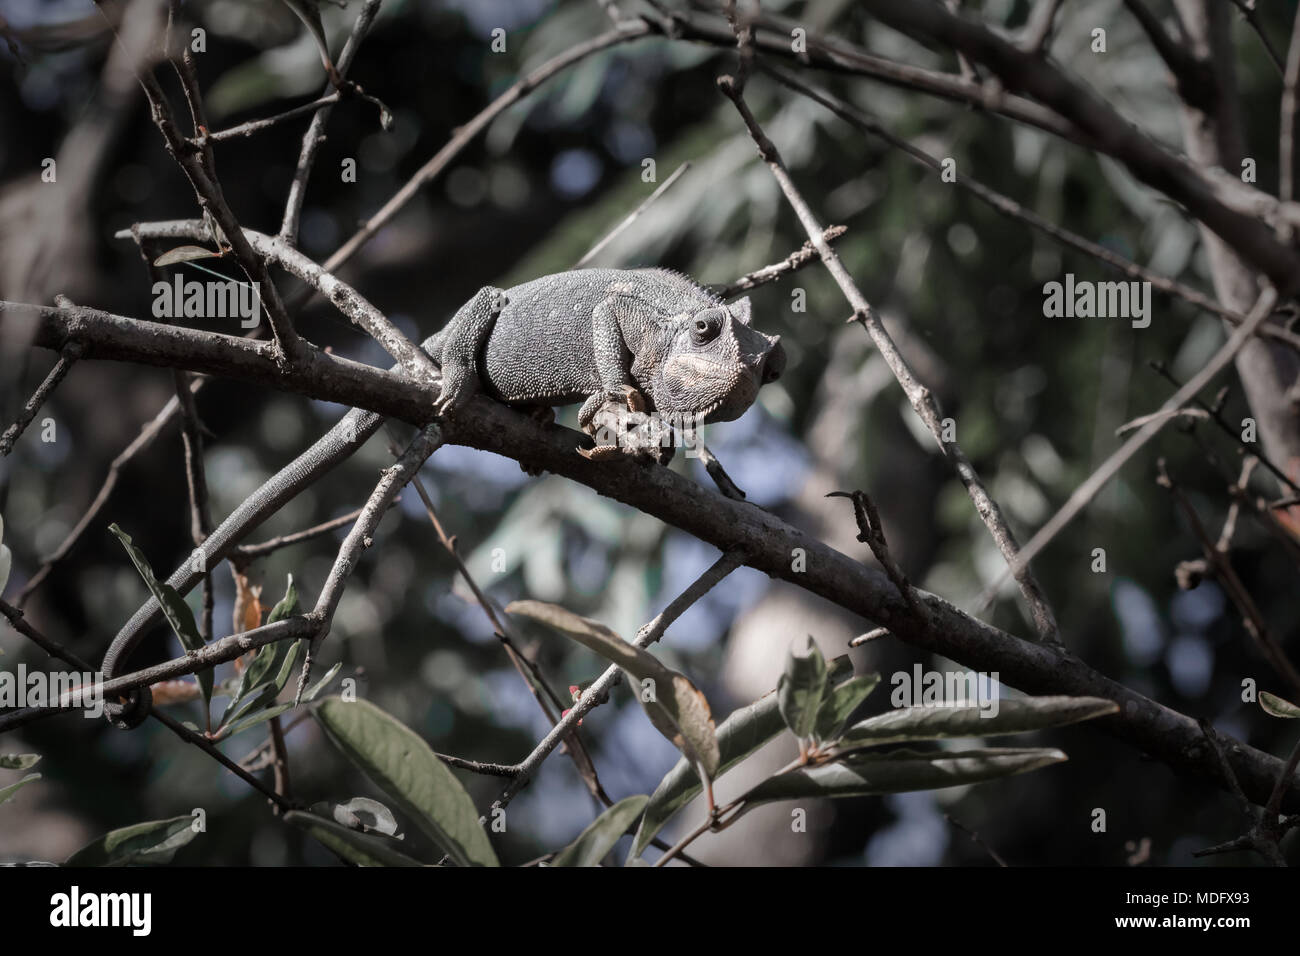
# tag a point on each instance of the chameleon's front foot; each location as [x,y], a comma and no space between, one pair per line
[621,431]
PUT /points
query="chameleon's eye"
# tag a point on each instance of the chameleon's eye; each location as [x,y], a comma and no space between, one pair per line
[705,327]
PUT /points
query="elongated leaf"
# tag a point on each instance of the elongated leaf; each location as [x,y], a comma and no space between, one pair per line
[153,842]
[1277,706]
[174,608]
[268,659]
[363,812]
[679,711]
[252,720]
[743,732]
[6,562]
[264,694]
[363,849]
[185,254]
[309,13]
[840,702]
[402,765]
[860,775]
[321,684]
[599,838]
[6,793]
[800,689]
[18,761]
[264,678]
[1013,717]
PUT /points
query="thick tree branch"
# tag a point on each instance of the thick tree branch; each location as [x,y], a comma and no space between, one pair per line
[766,541]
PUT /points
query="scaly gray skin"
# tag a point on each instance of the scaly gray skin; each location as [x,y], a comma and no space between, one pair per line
[592,335]
[648,339]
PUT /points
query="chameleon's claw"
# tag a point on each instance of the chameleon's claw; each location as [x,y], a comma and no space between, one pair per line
[601,453]
[634,399]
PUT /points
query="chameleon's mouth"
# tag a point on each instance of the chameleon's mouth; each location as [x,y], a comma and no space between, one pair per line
[713,391]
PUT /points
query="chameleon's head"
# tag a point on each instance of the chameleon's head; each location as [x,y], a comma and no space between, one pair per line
[716,363]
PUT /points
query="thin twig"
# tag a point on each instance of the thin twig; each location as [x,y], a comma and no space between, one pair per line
[632,216]
[623,33]
[1083,494]
[976,839]
[67,359]
[218,652]
[256,126]
[1286,135]
[1247,8]
[247,552]
[526,667]
[361,537]
[1216,416]
[1009,207]
[803,256]
[597,692]
[1218,560]
[1037,34]
[143,440]
[315,134]
[871,532]
[921,398]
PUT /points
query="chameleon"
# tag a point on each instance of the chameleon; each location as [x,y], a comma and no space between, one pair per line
[648,341]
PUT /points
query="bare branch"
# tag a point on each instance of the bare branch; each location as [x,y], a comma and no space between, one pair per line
[803,256]
[921,398]
[597,693]
[623,33]
[632,216]
[856,117]
[43,392]
[767,541]
[315,134]
[1111,466]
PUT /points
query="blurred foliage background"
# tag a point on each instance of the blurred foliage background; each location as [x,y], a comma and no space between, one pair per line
[1037,402]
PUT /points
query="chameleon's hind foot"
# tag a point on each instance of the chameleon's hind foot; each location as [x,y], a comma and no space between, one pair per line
[602,453]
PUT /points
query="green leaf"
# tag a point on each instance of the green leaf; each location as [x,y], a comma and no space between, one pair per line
[599,838]
[185,254]
[840,703]
[743,732]
[1277,706]
[174,608]
[18,761]
[363,849]
[934,723]
[870,774]
[321,684]
[361,813]
[6,793]
[799,692]
[403,766]
[252,720]
[272,660]
[682,715]
[153,842]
